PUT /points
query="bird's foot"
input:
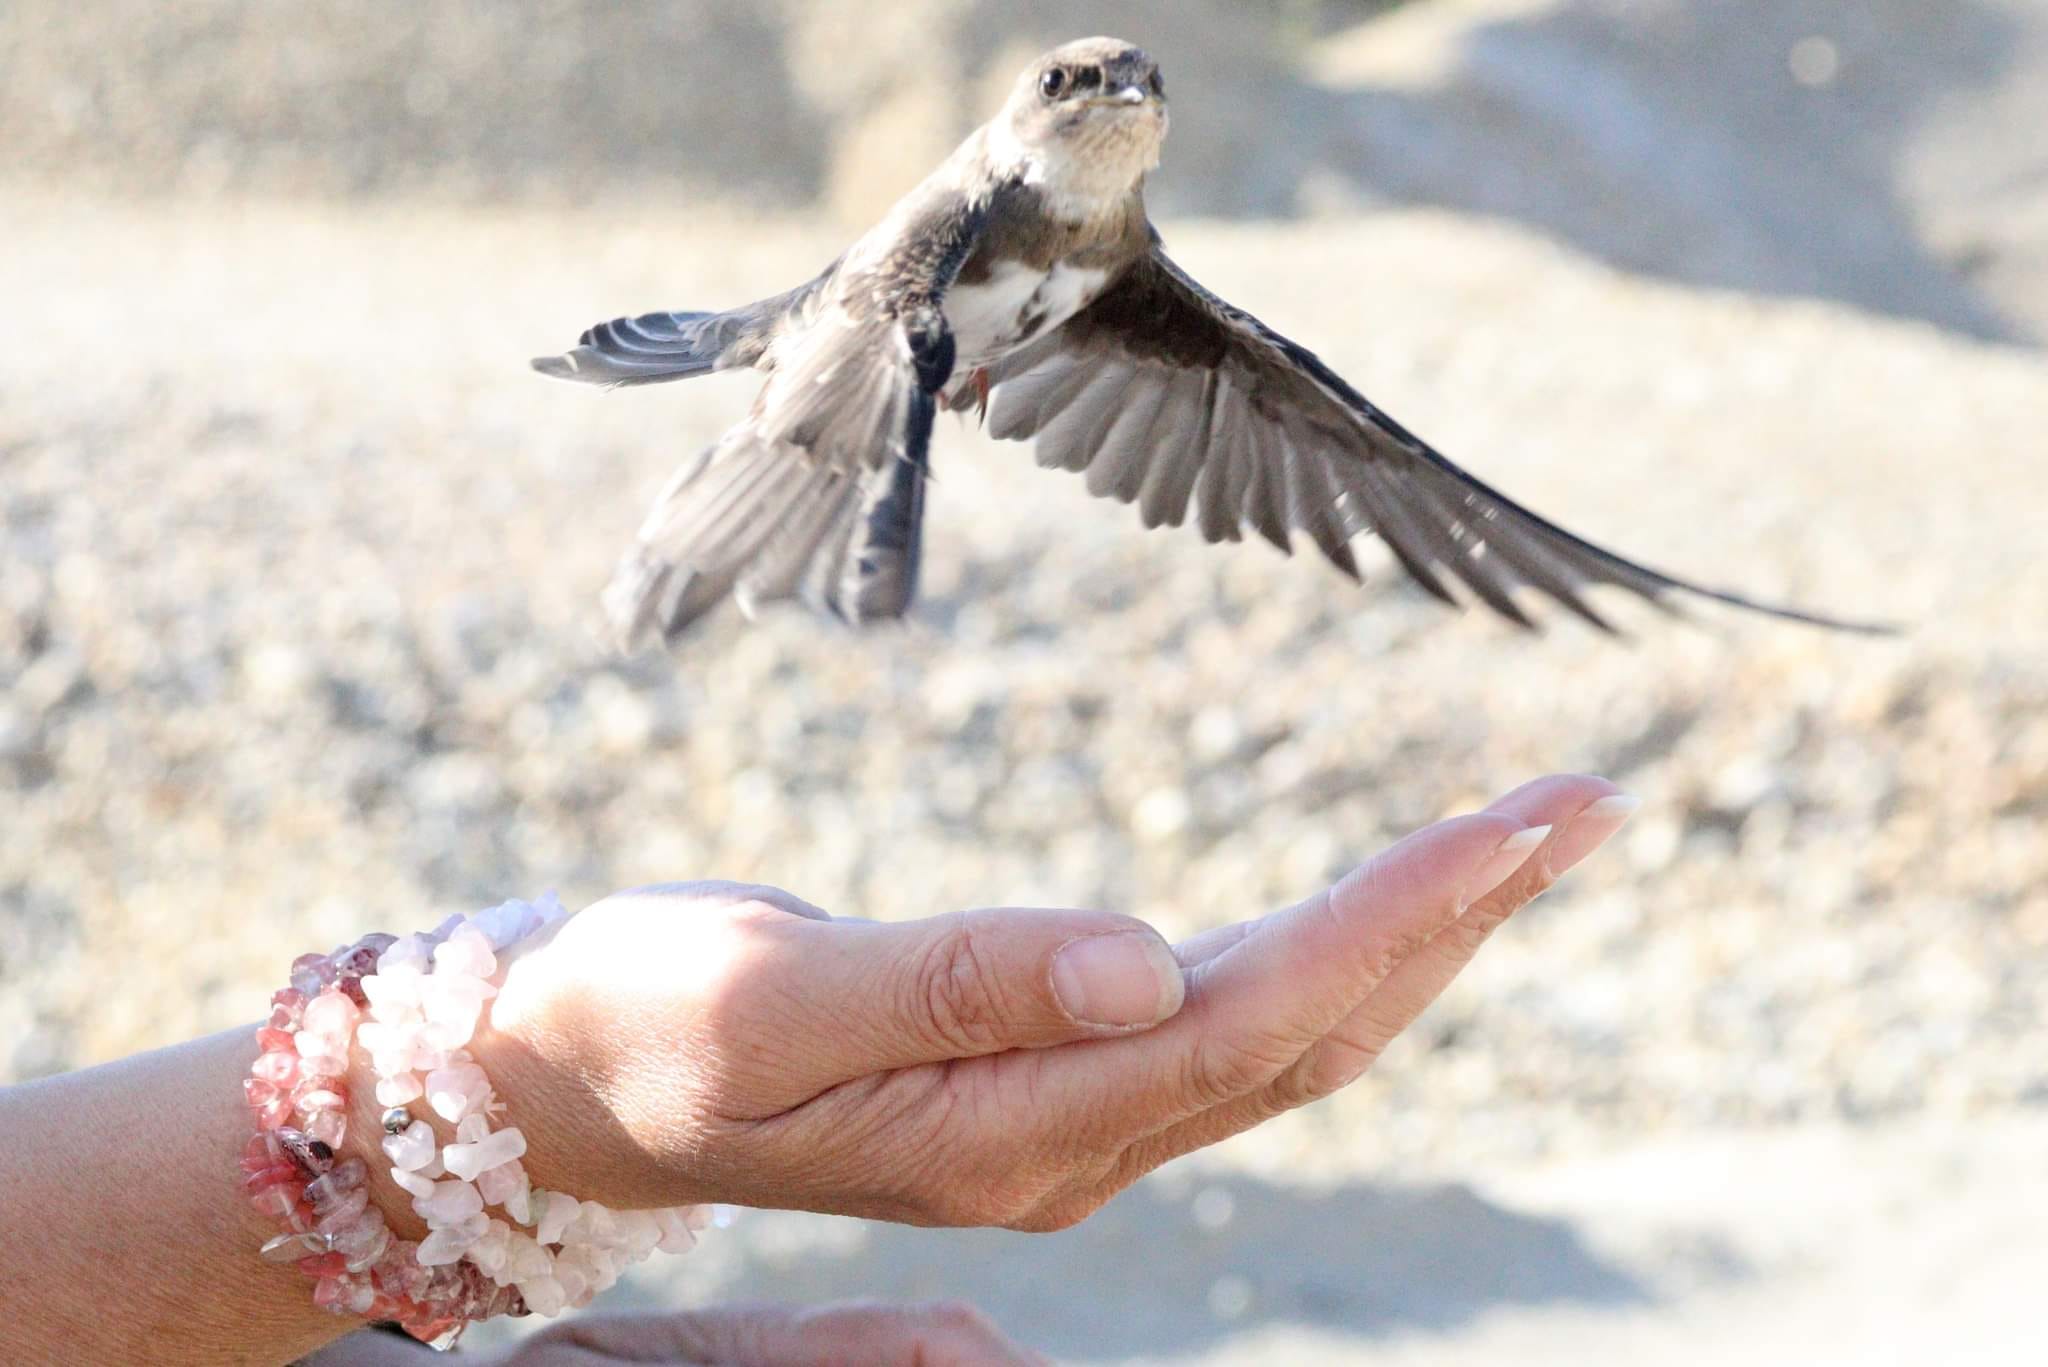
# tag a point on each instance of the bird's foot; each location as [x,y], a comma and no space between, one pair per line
[979,381]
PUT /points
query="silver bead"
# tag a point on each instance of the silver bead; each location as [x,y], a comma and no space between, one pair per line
[397,1120]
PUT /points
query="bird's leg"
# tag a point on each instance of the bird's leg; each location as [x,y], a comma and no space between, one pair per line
[979,380]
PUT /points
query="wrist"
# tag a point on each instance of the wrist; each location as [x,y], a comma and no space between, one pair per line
[364,1141]
[531,1042]
[438,1064]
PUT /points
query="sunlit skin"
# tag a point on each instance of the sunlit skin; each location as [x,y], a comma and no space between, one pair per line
[926,1071]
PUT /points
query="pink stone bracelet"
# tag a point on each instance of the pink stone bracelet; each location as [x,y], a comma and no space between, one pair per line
[331,1231]
[424,995]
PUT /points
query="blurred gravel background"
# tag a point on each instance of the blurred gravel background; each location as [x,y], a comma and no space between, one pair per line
[298,567]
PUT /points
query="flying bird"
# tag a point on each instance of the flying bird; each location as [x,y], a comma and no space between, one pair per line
[1024,279]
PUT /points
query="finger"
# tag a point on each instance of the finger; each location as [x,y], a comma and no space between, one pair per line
[986,981]
[938,1334]
[1260,1004]
[1199,949]
[1582,813]
[829,1003]
[1525,803]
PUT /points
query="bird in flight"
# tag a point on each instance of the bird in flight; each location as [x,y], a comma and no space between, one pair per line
[1024,279]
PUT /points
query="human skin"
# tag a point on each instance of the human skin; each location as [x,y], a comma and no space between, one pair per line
[940,1334]
[711,1042]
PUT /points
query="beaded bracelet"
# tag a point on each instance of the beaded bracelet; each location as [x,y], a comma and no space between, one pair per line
[425,999]
[424,995]
[332,1232]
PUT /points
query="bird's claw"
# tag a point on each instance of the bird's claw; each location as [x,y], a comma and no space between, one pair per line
[979,381]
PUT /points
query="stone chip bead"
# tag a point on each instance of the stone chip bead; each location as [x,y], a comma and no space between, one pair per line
[287,1005]
[290,1248]
[308,1153]
[510,922]
[416,1185]
[554,1220]
[449,1202]
[457,1090]
[505,1184]
[469,1161]
[678,1233]
[341,1214]
[397,1088]
[311,973]
[465,953]
[339,1180]
[412,1150]
[329,1127]
[450,1243]
[449,1007]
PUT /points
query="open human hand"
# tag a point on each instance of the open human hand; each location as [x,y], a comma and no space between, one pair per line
[1013,1067]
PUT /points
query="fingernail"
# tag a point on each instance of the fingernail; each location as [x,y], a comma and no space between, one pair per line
[1591,829]
[1125,978]
[1502,863]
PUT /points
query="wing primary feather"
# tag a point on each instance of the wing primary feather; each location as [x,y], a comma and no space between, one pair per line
[1384,509]
[1315,505]
[1118,466]
[1265,488]
[1021,406]
[1069,441]
[1163,499]
[1222,489]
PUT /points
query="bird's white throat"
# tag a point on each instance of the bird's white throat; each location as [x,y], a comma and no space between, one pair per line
[1081,179]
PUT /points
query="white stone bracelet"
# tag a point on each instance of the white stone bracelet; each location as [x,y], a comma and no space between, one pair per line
[424,1003]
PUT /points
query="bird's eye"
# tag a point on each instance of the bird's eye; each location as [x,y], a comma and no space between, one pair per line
[1088,78]
[1053,82]
[1158,84]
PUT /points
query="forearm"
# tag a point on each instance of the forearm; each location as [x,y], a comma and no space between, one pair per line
[124,1234]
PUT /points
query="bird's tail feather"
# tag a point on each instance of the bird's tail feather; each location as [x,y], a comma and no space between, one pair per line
[760,523]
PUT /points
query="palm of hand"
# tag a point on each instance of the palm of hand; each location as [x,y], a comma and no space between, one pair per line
[715,1042]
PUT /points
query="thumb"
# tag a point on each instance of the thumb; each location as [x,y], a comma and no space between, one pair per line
[895,995]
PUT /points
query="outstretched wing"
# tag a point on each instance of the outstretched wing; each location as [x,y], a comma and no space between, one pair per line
[1169,398]
[819,493]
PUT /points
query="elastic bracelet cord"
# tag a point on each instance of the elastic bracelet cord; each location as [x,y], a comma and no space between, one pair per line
[423,996]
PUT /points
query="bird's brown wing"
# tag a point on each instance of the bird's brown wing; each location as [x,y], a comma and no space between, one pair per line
[818,494]
[1167,397]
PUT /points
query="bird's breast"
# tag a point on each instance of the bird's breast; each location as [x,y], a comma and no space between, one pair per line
[1013,303]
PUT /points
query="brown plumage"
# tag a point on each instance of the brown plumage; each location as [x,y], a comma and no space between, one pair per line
[1023,276]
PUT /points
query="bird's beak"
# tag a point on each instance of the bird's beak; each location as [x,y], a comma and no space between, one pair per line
[1128,94]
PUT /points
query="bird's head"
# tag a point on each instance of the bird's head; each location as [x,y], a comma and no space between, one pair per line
[1087,119]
